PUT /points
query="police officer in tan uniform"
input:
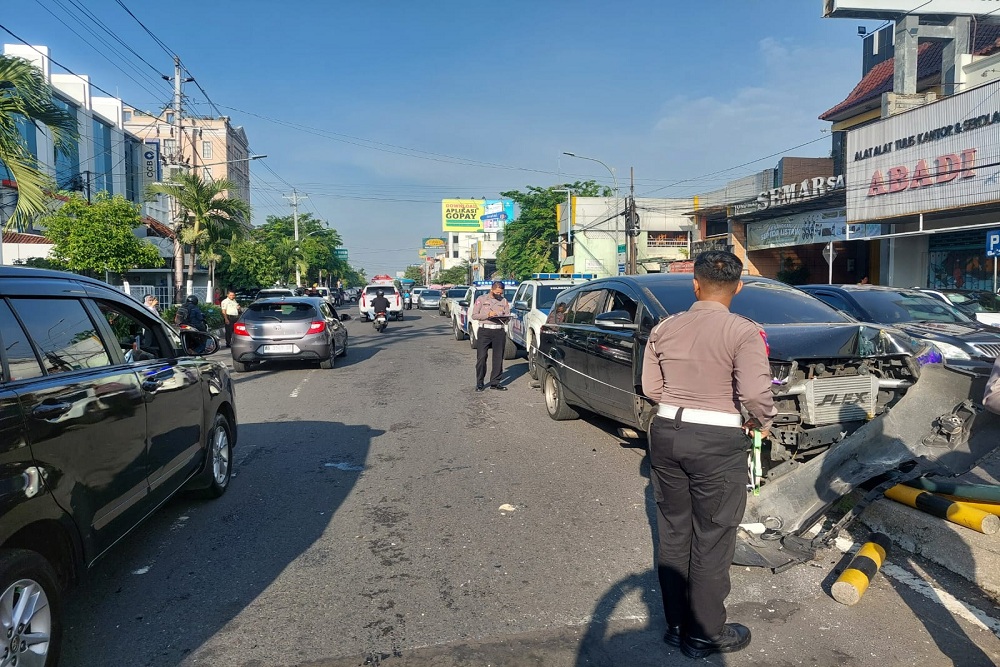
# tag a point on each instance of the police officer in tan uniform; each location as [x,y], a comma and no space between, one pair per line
[701,366]
[490,309]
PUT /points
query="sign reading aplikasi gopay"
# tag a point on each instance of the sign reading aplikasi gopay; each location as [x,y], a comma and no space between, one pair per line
[476,215]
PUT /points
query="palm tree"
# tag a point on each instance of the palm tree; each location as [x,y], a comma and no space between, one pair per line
[204,210]
[24,94]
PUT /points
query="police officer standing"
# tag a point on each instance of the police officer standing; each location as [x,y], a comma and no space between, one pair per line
[701,366]
[490,310]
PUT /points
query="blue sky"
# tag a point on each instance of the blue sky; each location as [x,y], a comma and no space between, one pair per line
[378,110]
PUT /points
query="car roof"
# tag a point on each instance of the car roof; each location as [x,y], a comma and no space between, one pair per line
[28,272]
[851,287]
[313,300]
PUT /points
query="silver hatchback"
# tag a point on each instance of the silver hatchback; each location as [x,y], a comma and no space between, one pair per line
[289,328]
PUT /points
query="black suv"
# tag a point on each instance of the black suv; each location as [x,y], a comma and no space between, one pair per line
[104,415]
[831,373]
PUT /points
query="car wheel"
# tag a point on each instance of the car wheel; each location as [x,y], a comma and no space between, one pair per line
[327,363]
[509,349]
[220,453]
[459,334]
[30,608]
[532,357]
[555,399]
[240,367]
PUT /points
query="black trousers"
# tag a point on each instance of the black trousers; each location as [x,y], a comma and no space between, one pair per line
[485,340]
[699,477]
[229,332]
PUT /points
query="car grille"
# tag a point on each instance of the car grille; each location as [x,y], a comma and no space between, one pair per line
[991,350]
[840,399]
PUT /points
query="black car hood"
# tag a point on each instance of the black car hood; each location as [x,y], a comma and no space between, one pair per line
[956,333]
[848,340]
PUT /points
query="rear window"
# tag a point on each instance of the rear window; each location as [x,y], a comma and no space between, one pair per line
[547,295]
[764,303]
[387,290]
[431,292]
[457,293]
[280,312]
[888,307]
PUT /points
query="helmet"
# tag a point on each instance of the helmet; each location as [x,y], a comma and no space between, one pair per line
[381,293]
[192,299]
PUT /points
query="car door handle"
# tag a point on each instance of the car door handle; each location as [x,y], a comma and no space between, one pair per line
[50,410]
[151,385]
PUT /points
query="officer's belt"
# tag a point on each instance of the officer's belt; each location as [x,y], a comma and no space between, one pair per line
[491,326]
[694,416]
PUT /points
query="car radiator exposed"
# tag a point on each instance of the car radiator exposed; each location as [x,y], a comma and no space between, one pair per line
[845,398]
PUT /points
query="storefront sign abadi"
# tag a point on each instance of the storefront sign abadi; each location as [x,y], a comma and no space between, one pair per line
[936,157]
[805,229]
[476,215]
[792,193]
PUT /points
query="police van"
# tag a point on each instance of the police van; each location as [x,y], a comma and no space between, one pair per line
[530,308]
[462,323]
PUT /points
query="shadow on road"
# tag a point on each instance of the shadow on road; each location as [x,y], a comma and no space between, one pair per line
[189,571]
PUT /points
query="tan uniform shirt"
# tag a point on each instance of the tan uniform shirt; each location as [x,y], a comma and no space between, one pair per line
[230,307]
[709,359]
[488,306]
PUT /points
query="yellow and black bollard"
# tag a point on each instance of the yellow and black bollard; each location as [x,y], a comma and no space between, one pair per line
[854,581]
[956,512]
[989,508]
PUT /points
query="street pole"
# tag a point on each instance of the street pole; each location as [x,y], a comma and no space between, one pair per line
[178,246]
[633,232]
[294,198]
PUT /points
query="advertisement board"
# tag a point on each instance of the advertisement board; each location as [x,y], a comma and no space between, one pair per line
[435,244]
[939,156]
[149,163]
[806,228]
[476,215]
[885,9]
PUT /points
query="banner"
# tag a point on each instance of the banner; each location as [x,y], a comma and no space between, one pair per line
[806,228]
[476,215]
[149,163]
[435,244]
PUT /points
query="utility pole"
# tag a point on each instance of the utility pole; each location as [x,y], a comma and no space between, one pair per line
[632,228]
[294,198]
[178,162]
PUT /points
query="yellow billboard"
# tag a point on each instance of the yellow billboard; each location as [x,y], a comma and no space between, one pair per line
[476,215]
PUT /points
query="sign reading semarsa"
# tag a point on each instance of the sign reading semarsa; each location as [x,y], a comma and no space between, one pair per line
[476,215]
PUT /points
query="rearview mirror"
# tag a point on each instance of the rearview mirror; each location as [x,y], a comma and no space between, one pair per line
[199,343]
[615,319]
[521,305]
[463,303]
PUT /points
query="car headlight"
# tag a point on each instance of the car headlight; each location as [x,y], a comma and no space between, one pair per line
[954,352]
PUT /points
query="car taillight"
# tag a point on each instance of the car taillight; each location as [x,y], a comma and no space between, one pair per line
[240,329]
[317,327]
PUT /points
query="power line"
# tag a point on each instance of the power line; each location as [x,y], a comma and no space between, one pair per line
[149,32]
[103,26]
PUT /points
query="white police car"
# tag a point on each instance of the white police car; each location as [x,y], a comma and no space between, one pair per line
[462,323]
[530,308]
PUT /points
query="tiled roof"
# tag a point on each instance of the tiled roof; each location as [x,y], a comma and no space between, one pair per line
[879,79]
[16,237]
[158,227]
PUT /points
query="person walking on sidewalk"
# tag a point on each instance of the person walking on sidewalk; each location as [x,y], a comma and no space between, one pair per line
[700,367]
[230,313]
[491,309]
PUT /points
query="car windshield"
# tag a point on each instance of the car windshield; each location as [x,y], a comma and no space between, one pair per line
[547,295]
[457,293]
[764,303]
[509,293]
[974,302]
[431,292]
[891,306]
[284,311]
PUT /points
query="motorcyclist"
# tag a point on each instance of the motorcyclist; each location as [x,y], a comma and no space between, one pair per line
[380,304]
[190,315]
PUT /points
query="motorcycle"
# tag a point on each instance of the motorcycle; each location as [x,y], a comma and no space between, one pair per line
[380,322]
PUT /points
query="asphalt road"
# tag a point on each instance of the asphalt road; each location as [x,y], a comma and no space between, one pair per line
[366,524]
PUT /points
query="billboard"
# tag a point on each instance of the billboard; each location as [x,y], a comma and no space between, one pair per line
[476,215]
[940,156]
[149,163]
[885,9]
[806,228]
[435,244]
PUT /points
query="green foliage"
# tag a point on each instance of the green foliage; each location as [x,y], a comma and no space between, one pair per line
[415,272]
[95,238]
[528,244]
[41,263]
[25,94]
[313,254]
[213,314]
[456,275]
[793,275]
[251,265]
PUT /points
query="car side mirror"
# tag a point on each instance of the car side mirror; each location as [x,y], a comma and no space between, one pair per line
[199,343]
[615,319]
[522,305]
[463,303]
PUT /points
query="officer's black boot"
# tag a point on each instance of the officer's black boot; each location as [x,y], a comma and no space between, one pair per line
[734,637]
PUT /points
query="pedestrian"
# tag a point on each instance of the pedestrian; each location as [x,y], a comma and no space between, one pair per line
[151,302]
[491,310]
[701,366]
[230,313]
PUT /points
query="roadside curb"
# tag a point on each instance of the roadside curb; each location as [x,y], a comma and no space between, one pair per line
[965,552]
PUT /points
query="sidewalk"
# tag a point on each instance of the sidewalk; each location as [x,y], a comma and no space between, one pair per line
[966,552]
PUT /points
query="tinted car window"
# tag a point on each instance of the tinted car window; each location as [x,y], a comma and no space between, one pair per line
[457,293]
[21,360]
[557,315]
[137,339]
[65,335]
[509,294]
[547,295]
[622,301]
[888,306]
[587,306]
[431,292]
[282,312]
[835,300]
[764,303]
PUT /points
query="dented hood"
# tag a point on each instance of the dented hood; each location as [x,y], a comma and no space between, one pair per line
[847,340]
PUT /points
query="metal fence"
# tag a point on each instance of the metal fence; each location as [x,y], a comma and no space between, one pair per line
[164,294]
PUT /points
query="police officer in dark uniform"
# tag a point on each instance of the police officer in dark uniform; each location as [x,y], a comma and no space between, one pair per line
[701,366]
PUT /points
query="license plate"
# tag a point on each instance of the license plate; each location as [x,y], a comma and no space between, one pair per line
[279,349]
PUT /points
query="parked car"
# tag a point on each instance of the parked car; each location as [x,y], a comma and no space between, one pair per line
[429,299]
[831,373]
[962,340]
[272,292]
[456,293]
[292,328]
[462,324]
[529,309]
[984,306]
[106,416]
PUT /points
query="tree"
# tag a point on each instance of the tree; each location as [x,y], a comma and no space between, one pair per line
[202,207]
[456,275]
[529,242]
[97,238]
[315,250]
[415,272]
[25,96]
[251,265]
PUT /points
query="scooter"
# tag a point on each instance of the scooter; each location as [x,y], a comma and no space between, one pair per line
[380,322]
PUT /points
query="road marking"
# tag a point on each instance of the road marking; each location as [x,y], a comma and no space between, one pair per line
[295,392]
[947,600]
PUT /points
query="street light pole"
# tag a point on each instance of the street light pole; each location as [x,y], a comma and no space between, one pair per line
[615,180]
[294,198]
